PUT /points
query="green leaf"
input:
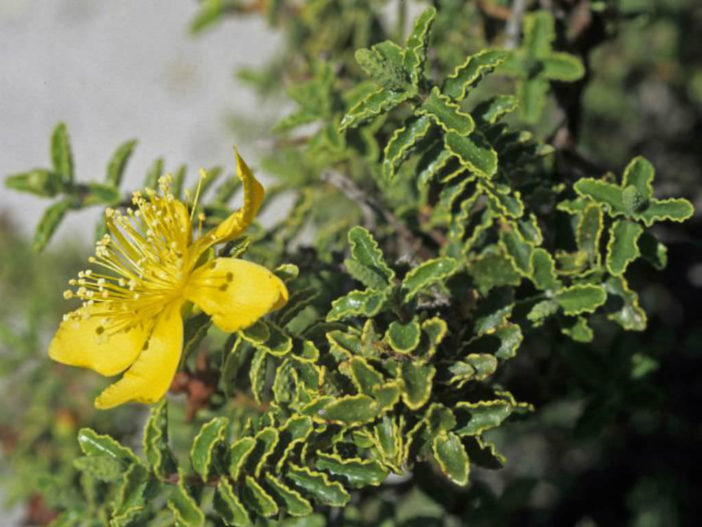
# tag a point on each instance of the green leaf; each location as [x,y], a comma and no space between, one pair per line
[403,338]
[589,231]
[104,468]
[40,182]
[672,209]
[427,274]
[365,250]
[490,111]
[367,276]
[581,299]
[562,67]
[415,53]
[543,269]
[541,311]
[318,485]
[518,250]
[431,162]
[623,305]
[539,32]
[475,367]
[227,505]
[364,376]
[578,330]
[622,248]
[239,453]
[452,457]
[61,155]
[101,194]
[476,418]
[156,448]
[258,499]
[378,102]
[357,472]
[153,174]
[293,502]
[266,441]
[464,76]
[603,193]
[531,94]
[351,409]
[293,120]
[474,152]
[417,379]
[204,450]
[118,163]
[94,444]
[48,224]
[131,492]
[401,142]
[639,174]
[184,508]
[653,251]
[492,269]
[257,374]
[384,63]
[448,115]
[356,303]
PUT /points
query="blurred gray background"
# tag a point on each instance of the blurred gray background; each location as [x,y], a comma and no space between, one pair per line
[115,70]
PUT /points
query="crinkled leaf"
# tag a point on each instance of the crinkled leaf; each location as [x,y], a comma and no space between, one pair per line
[581,299]
[415,54]
[156,448]
[204,450]
[474,152]
[467,74]
[562,67]
[258,499]
[61,155]
[227,505]
[417,379]
[403,338]
[445,113]
[426,274]
[378,102]
[623,305]
[118,163]
[293,502]
[40,182]
[48,224]
[589,231]
[452,457]
[358,473]
[622,248]
[357,303]
[351,409]
[184,508]
[401,142]
[318,485]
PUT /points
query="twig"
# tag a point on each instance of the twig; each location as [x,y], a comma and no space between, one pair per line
[411,244]
[514,24]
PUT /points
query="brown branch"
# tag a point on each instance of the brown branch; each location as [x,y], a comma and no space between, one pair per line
[410,244]
[514,24]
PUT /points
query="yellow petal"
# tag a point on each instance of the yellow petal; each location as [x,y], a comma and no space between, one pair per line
[151,375]
[235,293]
[80,343]
[237,222]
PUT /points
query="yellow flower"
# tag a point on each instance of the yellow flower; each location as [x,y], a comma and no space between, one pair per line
[147,268]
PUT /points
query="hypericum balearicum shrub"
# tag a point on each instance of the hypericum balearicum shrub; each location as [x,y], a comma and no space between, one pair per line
[430,234]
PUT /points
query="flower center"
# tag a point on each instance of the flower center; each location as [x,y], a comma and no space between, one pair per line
[142,263]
